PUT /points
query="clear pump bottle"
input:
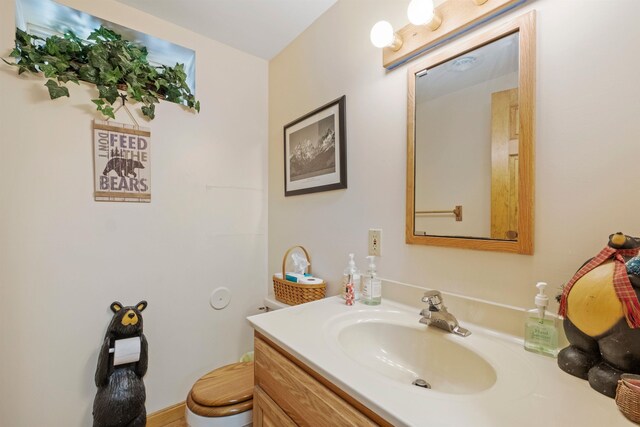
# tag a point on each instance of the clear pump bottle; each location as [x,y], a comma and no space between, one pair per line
[372,287]
[541,326]
[351,275]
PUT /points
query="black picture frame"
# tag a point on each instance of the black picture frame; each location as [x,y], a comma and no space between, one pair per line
[315,150]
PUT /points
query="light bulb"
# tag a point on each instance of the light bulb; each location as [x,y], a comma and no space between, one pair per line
[420,12]
[382,34]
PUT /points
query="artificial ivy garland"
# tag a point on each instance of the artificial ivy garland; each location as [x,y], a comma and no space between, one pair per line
[109,62]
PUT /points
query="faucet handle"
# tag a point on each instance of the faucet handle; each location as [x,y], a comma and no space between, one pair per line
[433,298]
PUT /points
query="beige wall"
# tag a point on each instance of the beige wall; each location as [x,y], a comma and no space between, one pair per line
[64,258]
[588,99]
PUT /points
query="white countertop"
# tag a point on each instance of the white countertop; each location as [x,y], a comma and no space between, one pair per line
[530,389]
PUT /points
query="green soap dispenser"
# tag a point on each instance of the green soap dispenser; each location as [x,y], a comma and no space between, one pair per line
[541,327]
[372,286]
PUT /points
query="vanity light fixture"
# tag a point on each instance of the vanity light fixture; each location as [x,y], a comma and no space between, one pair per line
[419,12]
[432,26]
[382,35]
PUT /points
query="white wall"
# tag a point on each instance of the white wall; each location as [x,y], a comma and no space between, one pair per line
[64,258]
[588,98]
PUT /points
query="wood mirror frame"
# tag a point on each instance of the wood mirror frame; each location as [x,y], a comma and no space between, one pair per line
[525,26]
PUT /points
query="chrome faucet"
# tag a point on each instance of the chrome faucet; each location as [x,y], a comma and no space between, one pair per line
[437,315]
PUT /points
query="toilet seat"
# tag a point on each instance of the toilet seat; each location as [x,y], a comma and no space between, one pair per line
[218,411]
[225,391]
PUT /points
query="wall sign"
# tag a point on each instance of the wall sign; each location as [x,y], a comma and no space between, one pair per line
[121,162]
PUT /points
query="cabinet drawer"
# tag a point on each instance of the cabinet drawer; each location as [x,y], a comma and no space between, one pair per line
[266,413]
[303,398]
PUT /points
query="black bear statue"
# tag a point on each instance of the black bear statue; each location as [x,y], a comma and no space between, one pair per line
[120,399]
[601,314]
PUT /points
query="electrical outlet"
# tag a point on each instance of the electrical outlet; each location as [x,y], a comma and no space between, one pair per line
[374,241]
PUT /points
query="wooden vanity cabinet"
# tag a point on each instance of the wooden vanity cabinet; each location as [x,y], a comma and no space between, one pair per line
[267,413]
[289,393]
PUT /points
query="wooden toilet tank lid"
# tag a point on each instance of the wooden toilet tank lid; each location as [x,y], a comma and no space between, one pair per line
[224,386]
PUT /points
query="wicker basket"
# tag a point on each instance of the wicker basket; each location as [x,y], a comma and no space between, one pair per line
[293,293]
[628,396]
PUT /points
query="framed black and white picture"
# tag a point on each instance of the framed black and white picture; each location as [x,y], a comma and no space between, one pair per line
[315,151]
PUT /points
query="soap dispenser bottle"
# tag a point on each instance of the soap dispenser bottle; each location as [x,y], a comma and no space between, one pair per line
[541,326]
[351,276]
[371,287]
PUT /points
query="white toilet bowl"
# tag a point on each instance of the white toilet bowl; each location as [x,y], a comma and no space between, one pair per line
[239,420]
[224,396]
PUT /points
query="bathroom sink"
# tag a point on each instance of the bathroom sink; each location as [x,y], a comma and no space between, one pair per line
[373,354]
[391,346]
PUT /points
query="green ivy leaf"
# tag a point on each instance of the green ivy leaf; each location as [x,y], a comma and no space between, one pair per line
[149,111]
[52,45]
[150,99]
[35,57]
[24,38]
[49,70]
[104,34]
[173,94]
[110,93]
[88,73]
[56,91]
[71,36]
[68,77]
[112,76]
[98,57]
[107,62]
[61,65]
[135,91]
[109,112]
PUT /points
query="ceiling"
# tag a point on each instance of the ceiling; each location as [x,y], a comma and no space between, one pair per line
[259,27]
[479,66]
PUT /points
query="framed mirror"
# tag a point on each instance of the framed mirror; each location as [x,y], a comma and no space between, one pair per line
[470,142]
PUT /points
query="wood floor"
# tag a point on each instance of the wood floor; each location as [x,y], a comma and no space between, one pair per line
[178,423]
[173,416]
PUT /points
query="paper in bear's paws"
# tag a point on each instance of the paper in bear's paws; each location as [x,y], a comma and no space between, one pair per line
[126,351]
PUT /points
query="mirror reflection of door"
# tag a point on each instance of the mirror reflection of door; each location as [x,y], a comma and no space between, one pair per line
[504,164]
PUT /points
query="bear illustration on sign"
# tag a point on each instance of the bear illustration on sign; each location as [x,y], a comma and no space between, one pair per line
[123,167]
[121,395]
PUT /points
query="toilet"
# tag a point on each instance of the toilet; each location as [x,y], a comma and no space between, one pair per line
[224,396]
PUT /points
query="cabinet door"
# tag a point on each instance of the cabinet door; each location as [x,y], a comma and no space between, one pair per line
[303,398]
[266,413]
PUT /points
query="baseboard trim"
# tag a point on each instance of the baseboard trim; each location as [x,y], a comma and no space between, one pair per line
[167,415]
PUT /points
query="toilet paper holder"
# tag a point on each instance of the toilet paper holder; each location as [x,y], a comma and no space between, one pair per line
[126,351]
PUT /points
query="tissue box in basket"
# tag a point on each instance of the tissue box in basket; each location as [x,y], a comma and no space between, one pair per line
[293,293]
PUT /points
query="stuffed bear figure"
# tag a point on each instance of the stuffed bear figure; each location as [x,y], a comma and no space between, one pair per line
[120,400]
[602,316]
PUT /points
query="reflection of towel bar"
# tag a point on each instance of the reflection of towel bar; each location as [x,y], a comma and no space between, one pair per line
[457,212]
